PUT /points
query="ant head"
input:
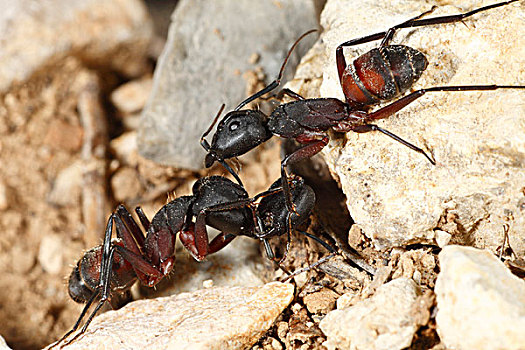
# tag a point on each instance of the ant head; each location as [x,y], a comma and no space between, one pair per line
[274,213]
[238,133]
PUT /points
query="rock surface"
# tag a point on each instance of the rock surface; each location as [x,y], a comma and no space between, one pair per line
[34,34]
[394,194]
[384,321]
[217,318]
[132,96]
[3,345]
[210,48]
[481,305]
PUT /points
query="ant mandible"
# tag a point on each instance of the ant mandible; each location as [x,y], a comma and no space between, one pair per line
[217,202]
[380,74]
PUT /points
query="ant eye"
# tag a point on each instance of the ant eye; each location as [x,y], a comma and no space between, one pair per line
[234,125]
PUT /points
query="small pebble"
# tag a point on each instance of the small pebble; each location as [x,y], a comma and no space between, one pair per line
[131,97]
[50,254]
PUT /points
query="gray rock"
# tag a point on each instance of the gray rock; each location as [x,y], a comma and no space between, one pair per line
[210,45]
[383,321]
[394,194]
[481,305]
[216,318]
[38,33]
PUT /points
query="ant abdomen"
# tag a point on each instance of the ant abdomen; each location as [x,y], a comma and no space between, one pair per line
[85,277]
[382,74]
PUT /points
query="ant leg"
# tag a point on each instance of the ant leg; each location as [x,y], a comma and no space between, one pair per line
[309,267]
[86,308]
[312,146]
[104,279]
[196,239]
[390,33]
[146,272]
[332,254]
[411,23]
[320,241]
[289,93]
[219,242]
[274,84]
[143,218]
[288,238]
[128,230]
[396,106]
[271,256]
[372,127]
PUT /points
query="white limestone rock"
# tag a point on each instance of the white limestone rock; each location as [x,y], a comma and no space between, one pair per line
[481,304]
[383,321]
[215,318]
[36,33]
[3,345]
[395,194]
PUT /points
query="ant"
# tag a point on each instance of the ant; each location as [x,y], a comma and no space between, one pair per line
[380,74]
[217,202]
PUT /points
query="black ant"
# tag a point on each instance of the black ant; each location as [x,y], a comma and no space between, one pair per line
[217,202]
[381,74]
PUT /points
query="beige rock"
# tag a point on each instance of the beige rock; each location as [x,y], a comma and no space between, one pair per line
[50,254]
[4,198]
[67,185]
[125,148]
[131,97]
[384,321]
[126,184]
[394,194]
[321,301]
[216,318]
[37,33]
[481,305]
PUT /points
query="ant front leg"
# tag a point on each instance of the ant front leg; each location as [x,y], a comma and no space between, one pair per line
[312,146]
[143,218]
[195,238]
[289,93]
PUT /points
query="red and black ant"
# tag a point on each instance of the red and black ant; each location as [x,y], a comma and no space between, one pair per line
[217,202]
[380,74]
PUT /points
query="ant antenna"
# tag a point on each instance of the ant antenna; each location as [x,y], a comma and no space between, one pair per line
[274,84]
[204,143]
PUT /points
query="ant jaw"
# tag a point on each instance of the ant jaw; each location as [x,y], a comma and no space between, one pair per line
[210,159]
[166,266]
